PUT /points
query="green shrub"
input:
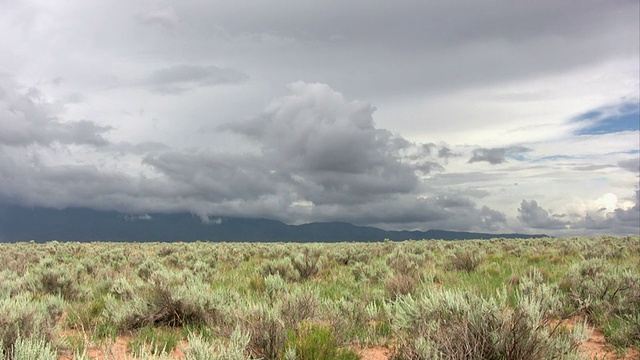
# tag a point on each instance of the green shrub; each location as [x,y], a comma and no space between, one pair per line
[55,281]
[465,260]
[451,324]
[199,349]
[602,291]
[623,331]
[82,315]
[282,267]
[155,341]
[275,286]
[373,272]
[31,349]
[23,318]
[401,261]
[400,284]
[312,342]
[298,306]
[266,329]
[168,300]
[307,264]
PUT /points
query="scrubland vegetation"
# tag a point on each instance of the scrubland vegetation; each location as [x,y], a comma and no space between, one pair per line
[489,299]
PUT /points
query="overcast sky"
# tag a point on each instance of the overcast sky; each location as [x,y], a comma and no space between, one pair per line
[493,116]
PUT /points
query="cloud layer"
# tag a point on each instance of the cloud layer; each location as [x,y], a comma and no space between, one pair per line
[498,116]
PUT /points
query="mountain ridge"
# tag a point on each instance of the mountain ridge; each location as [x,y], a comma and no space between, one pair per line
[41,224]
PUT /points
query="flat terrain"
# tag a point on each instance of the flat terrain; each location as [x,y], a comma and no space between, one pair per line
[569,298]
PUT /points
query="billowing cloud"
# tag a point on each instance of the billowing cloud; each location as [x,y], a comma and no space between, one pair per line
[317,156]
[538,218]
[330,146]
[618,219]
[606,215]
[630,217]
[27,117]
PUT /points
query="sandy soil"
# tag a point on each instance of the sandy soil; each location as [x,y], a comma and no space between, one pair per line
[597,348]
[374,353]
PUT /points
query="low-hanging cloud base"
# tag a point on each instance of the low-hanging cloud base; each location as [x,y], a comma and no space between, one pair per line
[86,225]
[311,155]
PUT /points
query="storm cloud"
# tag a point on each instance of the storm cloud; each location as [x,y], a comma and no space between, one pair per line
[151,107]
[538,218]
[319,157]
[26,117]
[330,147]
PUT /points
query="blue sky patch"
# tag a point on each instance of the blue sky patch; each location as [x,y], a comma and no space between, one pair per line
[624,117]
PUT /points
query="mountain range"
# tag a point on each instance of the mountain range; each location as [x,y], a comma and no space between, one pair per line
[19,223]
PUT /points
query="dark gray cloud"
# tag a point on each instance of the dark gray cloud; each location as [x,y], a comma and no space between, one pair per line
[496,155]
[445,152]
[317,157]
[407,212]
[27,117]
[632,165]
[427,167]
[215,178]
[179,78]
[331,147]
[538,218]
[458,43]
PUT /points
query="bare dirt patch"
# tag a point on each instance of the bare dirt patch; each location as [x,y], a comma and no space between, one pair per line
[374,353]
[596,346]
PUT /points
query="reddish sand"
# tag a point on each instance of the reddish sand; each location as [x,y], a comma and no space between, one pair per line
[374,353]
[597,348]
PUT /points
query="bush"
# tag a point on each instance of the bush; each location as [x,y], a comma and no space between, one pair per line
[199,349]
[282,267]
[55,281]
[153,340]
[608,296]
[297,307]
[307,264]
[399,284]
[312,342]
[451,324]
[22,318]
[167,301]
[266,329]
[465,260]
[29,349]
[403,262]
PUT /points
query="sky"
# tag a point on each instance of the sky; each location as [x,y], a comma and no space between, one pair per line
[492,116]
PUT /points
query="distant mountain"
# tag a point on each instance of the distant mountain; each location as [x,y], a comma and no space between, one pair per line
[78,224]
